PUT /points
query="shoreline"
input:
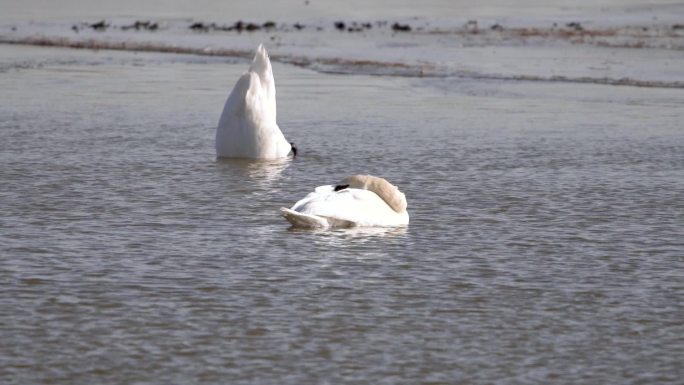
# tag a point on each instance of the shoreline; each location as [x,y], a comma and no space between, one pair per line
[330,65]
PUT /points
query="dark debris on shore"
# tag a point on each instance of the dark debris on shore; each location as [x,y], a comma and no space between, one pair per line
[242,26]
[401,27]
[573,31]
[142,25]
[238,26]
[103,25]
[342,26]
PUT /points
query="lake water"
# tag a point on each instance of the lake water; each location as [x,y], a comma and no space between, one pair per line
[546,242]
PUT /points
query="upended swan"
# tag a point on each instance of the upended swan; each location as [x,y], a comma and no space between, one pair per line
[359,200]
[247,127]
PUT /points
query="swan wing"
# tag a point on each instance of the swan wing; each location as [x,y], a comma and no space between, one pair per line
[349,206]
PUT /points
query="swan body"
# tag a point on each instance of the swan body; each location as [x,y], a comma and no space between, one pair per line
[247,127]
[359,201]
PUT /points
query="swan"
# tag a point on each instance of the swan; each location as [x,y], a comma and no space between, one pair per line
[247,127]
[357,201]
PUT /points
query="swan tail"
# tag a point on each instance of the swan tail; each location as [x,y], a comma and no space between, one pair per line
[308,221]
[261,64]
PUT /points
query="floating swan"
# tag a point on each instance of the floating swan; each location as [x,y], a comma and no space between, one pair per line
[248,128]
[359,200]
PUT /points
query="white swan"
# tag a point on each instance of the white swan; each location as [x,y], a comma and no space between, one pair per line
[359,200]
[247,127]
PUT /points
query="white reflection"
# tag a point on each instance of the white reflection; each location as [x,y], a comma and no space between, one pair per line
[263,172]
[338,236]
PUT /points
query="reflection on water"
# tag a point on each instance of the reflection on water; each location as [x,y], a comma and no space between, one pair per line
[261,171]
[357,234]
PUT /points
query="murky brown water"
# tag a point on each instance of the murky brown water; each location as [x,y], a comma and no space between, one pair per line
[545,243]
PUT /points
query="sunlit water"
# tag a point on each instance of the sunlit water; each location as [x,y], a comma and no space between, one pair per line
[545,243]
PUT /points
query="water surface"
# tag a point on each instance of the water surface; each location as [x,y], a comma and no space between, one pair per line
[545,243]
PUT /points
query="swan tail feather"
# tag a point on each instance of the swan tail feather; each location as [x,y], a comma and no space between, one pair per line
[300,220]
[309,221]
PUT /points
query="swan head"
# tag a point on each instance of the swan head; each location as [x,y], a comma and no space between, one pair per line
[294,149]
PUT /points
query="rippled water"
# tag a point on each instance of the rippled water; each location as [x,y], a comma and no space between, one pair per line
[545,243]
